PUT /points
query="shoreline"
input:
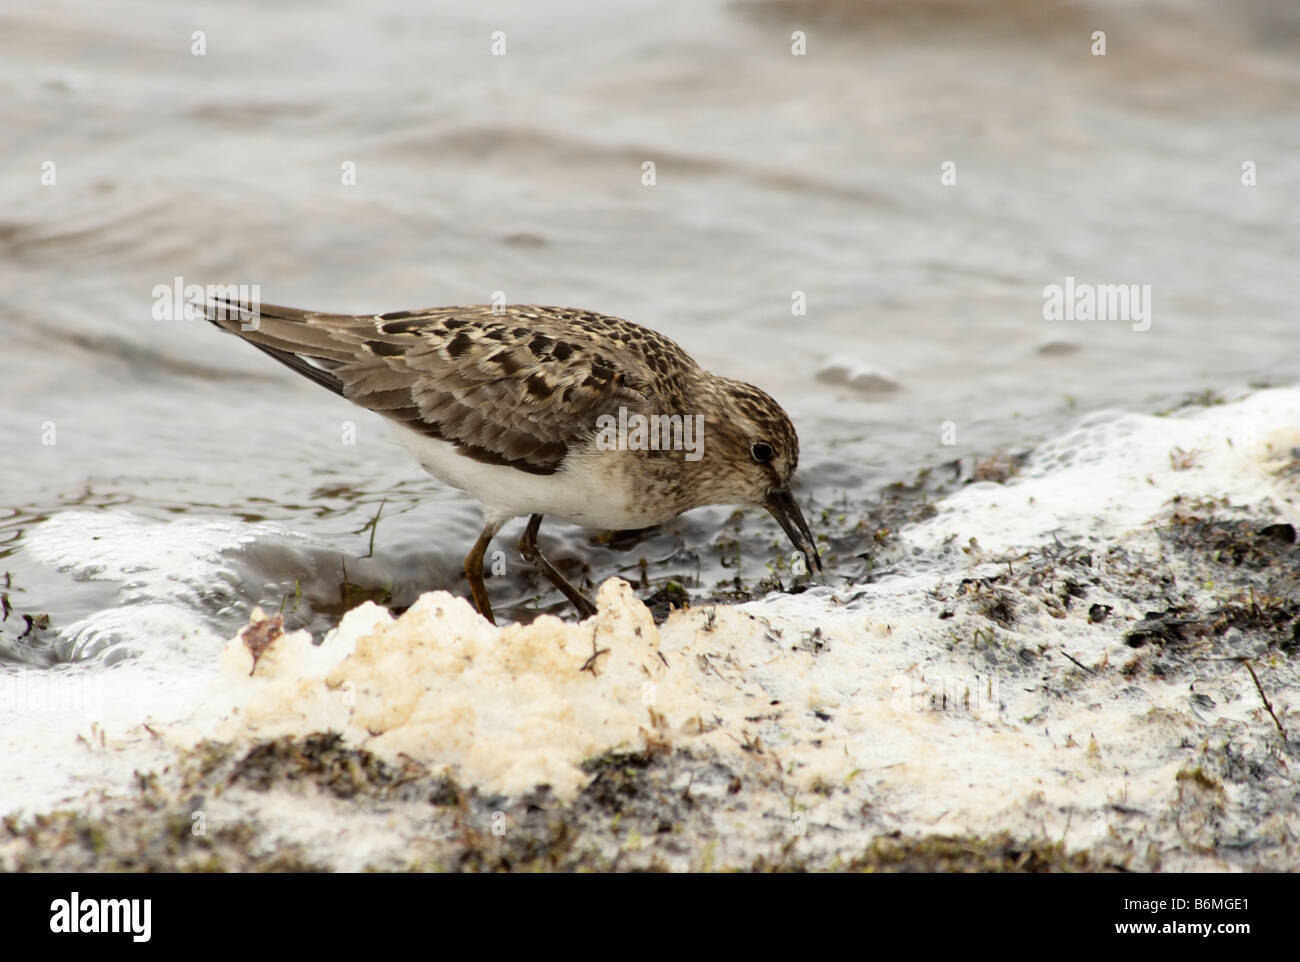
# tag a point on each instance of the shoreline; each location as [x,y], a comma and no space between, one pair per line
[993,694]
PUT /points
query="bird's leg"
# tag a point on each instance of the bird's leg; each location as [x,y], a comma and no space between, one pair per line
[528,548]
[474,569]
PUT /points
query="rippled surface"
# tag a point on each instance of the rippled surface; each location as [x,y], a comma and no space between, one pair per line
[158,478]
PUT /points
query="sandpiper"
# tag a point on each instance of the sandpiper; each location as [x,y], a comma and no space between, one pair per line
[528,408]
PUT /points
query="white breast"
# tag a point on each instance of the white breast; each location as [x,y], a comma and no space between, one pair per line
[584,491]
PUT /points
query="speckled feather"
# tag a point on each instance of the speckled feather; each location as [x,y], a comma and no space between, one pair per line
[518,387]
[524,385]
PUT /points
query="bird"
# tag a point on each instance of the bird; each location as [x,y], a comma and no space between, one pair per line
[542,411]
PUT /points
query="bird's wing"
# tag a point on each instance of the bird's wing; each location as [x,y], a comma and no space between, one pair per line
[506,388]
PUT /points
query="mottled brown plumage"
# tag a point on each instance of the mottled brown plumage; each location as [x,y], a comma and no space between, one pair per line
[517,387]
[523,389]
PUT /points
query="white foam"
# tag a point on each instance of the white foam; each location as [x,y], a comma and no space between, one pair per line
[150,657]
[180,560]
[1114,472]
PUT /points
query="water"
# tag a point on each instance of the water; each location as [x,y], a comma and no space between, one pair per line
[158,478]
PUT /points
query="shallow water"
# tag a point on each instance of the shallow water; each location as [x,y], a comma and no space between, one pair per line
[159,478]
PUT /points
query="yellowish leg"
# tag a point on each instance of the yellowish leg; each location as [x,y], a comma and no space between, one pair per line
[474,570]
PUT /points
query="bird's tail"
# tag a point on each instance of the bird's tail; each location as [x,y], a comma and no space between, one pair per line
[304,341]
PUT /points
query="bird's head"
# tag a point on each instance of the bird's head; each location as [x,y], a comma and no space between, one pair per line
[750,455]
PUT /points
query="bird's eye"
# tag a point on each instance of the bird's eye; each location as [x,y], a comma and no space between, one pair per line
[762,452]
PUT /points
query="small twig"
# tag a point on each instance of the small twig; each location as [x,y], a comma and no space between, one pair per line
[1268,706]
[721,677]
[1080,664]
[590,663]
[373,525]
